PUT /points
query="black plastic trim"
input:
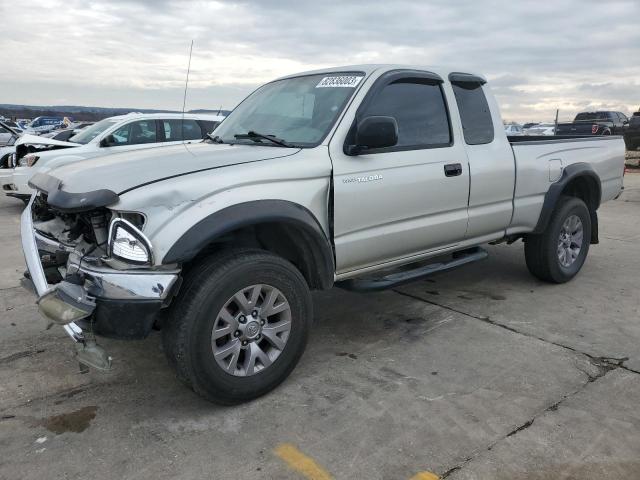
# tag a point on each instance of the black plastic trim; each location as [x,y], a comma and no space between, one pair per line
[570,173]
[125,319]
[71,202]
[459,77]
[402,277]
[203,233]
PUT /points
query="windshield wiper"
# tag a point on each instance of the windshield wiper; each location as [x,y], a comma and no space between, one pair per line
[256,136]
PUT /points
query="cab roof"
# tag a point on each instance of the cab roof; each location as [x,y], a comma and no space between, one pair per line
[370,68]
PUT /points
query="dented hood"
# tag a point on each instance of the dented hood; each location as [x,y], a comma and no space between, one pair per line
[122,172]
[28,139]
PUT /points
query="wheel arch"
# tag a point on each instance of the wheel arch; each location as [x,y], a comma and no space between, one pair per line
[578,180]
[283,227]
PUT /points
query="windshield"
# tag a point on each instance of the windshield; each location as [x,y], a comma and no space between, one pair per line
[89,133]
[299,111]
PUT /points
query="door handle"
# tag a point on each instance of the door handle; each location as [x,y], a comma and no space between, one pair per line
[453,169]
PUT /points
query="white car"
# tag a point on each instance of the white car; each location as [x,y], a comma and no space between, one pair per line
[133,131]
[541,129]
[8,138]
[513,130]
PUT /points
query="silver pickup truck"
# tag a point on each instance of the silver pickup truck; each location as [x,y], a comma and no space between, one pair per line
[363,177]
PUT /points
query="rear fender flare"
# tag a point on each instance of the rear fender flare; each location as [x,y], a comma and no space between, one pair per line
[551,198]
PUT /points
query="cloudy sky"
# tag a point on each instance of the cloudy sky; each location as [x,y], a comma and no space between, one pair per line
[539,56]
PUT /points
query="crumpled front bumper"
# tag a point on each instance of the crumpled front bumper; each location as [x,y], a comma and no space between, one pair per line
[126,301]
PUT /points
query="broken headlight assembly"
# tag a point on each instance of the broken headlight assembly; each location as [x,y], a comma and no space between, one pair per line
[128,243]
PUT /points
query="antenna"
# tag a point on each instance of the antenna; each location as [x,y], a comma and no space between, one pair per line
[186,85]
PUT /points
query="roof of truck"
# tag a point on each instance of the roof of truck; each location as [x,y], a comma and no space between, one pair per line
[369,68]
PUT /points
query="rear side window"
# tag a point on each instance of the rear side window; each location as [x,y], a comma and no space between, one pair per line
[419,109]
[177,130]
[477,123]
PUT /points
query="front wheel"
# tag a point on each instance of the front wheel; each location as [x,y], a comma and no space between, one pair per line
[239,326]
[557,255]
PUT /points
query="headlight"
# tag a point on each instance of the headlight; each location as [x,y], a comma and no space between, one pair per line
[28,160]
[128,243]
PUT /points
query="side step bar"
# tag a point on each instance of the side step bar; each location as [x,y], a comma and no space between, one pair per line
[399,278]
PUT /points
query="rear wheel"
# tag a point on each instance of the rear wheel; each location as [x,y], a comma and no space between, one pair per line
[557,255]
[239,326]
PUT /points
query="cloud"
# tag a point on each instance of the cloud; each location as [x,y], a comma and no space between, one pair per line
[538,57]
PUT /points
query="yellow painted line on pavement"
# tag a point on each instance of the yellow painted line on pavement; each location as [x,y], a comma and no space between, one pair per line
[301,463]
[425,476]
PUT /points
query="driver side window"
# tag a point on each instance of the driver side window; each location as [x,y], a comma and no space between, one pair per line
[135,133]
[420,110]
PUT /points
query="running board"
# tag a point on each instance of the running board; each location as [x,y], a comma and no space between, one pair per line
[399,278]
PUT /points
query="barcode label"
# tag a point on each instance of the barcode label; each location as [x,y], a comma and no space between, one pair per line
[349,81]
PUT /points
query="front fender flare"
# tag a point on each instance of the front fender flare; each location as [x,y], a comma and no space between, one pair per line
[203,233]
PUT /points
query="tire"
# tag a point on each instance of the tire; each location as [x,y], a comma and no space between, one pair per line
[543,252]
[208,299]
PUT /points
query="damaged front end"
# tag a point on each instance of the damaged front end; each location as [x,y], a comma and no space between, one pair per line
[92,267]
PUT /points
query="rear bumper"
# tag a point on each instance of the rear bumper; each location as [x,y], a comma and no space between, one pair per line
[126,301]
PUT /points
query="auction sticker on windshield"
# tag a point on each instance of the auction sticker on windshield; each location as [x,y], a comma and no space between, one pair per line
[340,81]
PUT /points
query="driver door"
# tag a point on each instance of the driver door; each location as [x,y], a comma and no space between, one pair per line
[398,202]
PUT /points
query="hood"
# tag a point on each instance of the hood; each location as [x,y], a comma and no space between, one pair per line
[128,170]
[28,139]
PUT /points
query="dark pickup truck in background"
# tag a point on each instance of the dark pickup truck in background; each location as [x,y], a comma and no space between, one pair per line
[632,132]
[595,123]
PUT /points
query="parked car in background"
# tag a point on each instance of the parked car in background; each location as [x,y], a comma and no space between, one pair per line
[6,133]
[8,138]
[13,125]
[67,133]
[541,129]
[111,135]
[632,132]
[41,125]
[219,243]
[529,125]
[513,130]
[595,123]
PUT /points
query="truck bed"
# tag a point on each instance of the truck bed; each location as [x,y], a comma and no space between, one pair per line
[540,161]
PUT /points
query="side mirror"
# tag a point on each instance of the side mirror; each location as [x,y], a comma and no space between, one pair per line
[374,132]
[108,141]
